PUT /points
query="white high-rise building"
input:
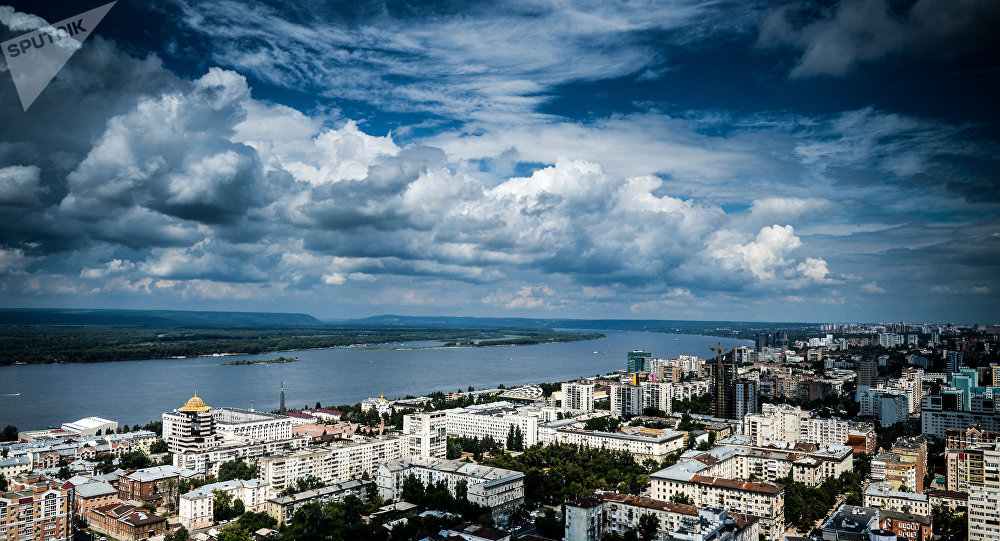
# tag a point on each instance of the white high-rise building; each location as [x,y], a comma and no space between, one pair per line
[578,396]
[659,395]
[626,400]
[427,434]
[984,499]
[190,428]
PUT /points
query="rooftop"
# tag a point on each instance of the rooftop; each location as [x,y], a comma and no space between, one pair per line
[160,472]
[884,489]
[206,490]
[320,492]
[88,423]
[851,519]
[94,489]
[194,404]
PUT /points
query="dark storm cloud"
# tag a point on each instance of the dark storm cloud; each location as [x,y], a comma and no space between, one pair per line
[834,39]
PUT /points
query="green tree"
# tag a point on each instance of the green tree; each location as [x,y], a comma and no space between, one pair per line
[3,483]
[683,498]
[180,535]
[158,446]
[549,526]
[648,526]
[237,469]
[9,433]
[252,522]
[510,438]
[233,532]
[134,460]
[222,506]
[454,450]
[238,507]
[302,484]
[413,489]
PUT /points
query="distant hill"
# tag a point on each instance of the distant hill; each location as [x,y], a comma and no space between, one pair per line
[150,318]
[615,324]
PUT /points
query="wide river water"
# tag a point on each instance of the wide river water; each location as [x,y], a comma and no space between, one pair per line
[41,395]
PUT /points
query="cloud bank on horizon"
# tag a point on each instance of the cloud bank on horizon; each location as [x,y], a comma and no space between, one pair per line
[722,160]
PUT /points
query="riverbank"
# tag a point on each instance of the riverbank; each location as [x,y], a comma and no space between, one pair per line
[54,344]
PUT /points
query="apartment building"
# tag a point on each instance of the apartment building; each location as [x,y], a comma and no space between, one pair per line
[498,489]
[335,463]
[494,420]
[208,461]
[896,470]
[578,396]
[883,495]
[626,400]
[803,462]
[913,450]
[426,434]
[658,395]
[197,506]
[655,445]
[283,508]
[984,498]
[711,479]
[35,509]
[235,424]
[783,422]
[862,438]
[592,517]
[691,389]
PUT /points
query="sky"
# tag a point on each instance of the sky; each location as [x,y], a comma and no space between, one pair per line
[717,160]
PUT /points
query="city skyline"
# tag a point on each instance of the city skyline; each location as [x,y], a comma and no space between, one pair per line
[687,161]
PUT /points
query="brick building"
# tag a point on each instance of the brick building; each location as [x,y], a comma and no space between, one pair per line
[127,522]
[35,509]
[907,526]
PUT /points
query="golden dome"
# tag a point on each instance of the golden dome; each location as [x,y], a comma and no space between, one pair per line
[194,404]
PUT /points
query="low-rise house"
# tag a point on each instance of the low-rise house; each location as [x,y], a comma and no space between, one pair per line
[127,522]
[906,526]
[91,494]
[150,484]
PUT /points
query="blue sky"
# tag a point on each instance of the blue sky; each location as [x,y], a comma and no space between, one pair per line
[808,161]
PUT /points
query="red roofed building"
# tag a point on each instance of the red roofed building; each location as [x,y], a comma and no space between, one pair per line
[127,522]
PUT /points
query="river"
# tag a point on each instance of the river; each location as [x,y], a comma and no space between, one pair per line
[41,395]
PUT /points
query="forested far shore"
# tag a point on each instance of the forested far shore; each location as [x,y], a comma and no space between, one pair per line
[32,344]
